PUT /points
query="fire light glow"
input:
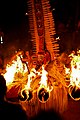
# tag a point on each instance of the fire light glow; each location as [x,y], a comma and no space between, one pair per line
[44,91]
[74,73]
[43,81]
[14,68]
[26,92]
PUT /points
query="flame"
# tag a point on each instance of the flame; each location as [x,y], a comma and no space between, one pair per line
[75,70]
[27,88]
[43,91]
[16,67]
[67,73]
[30,77]
[43,82]
[73,74]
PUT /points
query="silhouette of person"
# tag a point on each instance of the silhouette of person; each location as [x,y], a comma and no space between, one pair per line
[8,110]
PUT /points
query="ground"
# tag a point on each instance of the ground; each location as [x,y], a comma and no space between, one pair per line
[73,110]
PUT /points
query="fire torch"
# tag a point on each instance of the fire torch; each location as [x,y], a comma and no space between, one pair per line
[43,95]
[25,94]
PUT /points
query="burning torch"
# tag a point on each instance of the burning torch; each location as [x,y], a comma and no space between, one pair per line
[43,91]
[25,94]
[43,95]
[74,87]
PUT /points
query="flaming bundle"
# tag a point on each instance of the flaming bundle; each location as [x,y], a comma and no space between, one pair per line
[26,93]
[74,73]
[44,90]
[15,73]
[15,70]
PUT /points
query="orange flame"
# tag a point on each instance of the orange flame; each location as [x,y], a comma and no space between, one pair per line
[74,70]
[16,67]
[30,77]
[43,81]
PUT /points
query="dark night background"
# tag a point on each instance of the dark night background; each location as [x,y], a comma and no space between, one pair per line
[14,23]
